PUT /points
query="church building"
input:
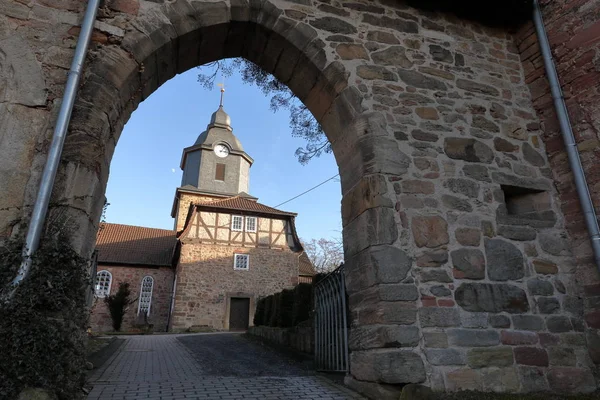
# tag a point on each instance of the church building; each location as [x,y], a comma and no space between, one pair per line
[225,252]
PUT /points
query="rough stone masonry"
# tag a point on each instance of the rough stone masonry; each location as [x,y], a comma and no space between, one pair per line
[463,272]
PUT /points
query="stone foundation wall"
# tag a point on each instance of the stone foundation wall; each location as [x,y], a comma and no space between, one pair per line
[573,32]
[206,280]
[100,320]
[296,338]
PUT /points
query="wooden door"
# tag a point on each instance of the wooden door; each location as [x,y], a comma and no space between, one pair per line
[239,314]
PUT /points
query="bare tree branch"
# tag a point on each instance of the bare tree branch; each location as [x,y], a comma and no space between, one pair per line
[302,122]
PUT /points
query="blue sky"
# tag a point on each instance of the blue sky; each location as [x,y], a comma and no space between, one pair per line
[145,167]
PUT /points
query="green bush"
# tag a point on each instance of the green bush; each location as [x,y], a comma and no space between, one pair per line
[259,314]
[117,305]
[286,308]
[303,303]
[275,309]
[43,325]
[268,310]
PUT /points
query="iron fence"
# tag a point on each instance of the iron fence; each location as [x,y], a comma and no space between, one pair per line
[331,323]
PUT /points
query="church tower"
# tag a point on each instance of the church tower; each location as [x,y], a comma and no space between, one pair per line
[215,167]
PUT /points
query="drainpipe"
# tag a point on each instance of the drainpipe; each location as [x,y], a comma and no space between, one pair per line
[40,208]
[567,132]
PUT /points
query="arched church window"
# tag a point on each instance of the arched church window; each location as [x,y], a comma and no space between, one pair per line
[145,295]
[103,282]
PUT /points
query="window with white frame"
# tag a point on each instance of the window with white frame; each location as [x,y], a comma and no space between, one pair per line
[103,282]
[237,223]
[241,261]
[250,224]
[145,295]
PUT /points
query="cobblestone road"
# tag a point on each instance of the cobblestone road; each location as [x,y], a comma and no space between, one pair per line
[206,366]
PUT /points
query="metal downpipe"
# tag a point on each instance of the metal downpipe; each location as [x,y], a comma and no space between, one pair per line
[567,132]
[40,207]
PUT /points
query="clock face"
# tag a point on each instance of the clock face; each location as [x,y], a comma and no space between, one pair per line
[221,150]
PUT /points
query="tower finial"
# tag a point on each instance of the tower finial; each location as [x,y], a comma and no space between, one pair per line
[222,86]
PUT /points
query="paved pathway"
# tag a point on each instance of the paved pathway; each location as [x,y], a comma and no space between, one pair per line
[206,366]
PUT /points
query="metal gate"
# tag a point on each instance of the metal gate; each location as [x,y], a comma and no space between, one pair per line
[331,325]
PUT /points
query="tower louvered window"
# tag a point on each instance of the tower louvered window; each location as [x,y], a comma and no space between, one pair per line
[145,296]
[103,281]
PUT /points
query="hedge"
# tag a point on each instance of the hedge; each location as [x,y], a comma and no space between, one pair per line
[43,325]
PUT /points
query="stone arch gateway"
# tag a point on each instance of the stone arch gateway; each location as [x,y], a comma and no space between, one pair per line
[459,270]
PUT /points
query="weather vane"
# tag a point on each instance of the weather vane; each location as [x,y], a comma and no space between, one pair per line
[222,86]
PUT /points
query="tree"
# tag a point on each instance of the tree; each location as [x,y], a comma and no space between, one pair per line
[302,122]
[117,305]
[325,254]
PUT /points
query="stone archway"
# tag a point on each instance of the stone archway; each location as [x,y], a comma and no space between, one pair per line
[458,274]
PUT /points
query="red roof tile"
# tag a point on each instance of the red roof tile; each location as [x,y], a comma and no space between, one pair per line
[238,203]
[127,244]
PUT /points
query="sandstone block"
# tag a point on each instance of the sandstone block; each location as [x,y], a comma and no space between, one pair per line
[559,323]
[439,317]
[471,150]
[499,321]
[440,291]
[435,339]
[473,337]
[445,357]
[544,267]
[532,379]
[466,187]
[429,231]
[540,287]
[485,297]
[419,80]
[464,379]
[387,366]
[571,380]
[495,357]
[476,87]
[520,233]
[456,203]
[505,261]
[398,292]
[477,172]
[383,336]
[562,356]
[532,356]
[468,236]
[348,51]
[468,263]
[528,322]
[394,55]
[514,338]
[434,275]
[548,305]
[433,258]
[372,72]
[532,156]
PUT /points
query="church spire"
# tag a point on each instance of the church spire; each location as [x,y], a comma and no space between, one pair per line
[222,85]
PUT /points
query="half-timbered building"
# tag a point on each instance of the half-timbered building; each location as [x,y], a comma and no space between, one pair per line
[226,249]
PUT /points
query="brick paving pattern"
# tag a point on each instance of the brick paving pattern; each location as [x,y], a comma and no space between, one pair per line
[162,367]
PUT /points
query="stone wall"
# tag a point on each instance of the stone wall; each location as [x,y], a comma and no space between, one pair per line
[573,32]
[100,320]
[300,338]
[206,281]
[459,272]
